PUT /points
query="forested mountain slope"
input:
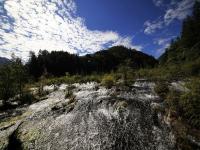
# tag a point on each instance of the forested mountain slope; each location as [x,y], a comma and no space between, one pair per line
[185,48]
[3,60]
[58,63]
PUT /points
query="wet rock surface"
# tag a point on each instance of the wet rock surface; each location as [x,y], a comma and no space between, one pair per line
[94,118]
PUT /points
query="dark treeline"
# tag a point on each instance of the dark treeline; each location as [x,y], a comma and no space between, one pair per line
[58,63]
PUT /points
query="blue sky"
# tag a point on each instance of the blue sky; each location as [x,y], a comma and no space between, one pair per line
[87,26]
[128,19]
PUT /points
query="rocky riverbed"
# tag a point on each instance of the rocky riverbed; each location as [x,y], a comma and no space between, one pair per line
[93,117]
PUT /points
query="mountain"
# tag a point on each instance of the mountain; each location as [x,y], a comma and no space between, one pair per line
[120,54]
[4,60]
[110,59]
[185,48]
[58,63]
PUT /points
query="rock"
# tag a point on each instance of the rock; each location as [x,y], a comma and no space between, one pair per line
[179,86]
[96,119]
[6,133]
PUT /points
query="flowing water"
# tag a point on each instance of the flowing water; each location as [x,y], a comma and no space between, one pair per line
[97,119]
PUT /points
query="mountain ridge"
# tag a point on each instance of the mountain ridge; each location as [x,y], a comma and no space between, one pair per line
[58,63]
[4,60]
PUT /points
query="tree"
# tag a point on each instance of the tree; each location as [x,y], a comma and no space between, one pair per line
[34,68]
[12,80]
[20,75]
[182,50]
[57,63]
[126,71]
[7,83]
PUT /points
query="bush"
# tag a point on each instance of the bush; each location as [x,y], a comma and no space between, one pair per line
[187,104]
[7,83]
[69,91]
[12,80]
[126,74]
[173,99]
[27,98]
[190,104]
[93,77]
[68,94]
[108,81]
[162,89]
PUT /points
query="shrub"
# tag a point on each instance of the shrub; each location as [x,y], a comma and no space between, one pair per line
[173,99]
[41,92]
[125,74]
[69,92]
[27,98]
[187,104]
[190,104]
[7,83]
[162,89]
[122,105]
[95,77]
[71,100]
[12,80]
[108,81]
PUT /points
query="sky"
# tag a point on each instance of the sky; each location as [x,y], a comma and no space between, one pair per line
[87,26]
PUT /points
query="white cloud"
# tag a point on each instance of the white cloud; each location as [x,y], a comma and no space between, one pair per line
[163,41]
[127,41]
[158,2]
[161,50]
[178,10]
[31,25]
[151,27]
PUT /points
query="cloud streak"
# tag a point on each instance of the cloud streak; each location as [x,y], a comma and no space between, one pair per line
[179,12]
[151,27]
[175,11]
[158,2]
[31,25]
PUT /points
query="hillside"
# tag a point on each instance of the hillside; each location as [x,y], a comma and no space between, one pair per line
[185,48]
[120,54]
[58,63]
[4,60]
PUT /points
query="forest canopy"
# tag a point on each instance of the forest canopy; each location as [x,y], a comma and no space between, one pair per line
[58,63]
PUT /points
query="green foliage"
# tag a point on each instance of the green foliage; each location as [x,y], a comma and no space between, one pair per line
[162,89]
[7,83]
[173,100]
[27,98]
[20,75]
[69,91]
[185,104]
[171,72]
[101,62]
[108,81]
[185,107]
[68,94]
[41,91]
[194,85]
[185,49]
[34,67]
[12,79]
[190,104]
[125,73]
